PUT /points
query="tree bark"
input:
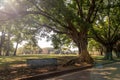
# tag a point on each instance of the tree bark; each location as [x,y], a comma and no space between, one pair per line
[0,49]
[2,42]
[118,54]
[117,49]
[83,52]
[1,46]
[81,41]
[15,49]
[108,54]
[101,50]
[8,46]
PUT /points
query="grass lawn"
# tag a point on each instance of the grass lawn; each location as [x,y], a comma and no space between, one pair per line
[16,65]
[99,60]
[13,61]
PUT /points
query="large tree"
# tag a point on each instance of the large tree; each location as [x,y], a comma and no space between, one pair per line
[6,35]
[70,17]
[106,30]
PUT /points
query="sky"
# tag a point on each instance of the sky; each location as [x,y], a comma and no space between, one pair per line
[43,43]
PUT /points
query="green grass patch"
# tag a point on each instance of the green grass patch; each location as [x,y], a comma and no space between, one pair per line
[7,61]
[100,60]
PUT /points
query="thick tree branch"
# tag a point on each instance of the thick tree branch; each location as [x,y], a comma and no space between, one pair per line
[98,38]
[45,14]
[51,28]
[116,30]
[57,31]
[48,15]
[94,16]
[95,11]
[91,10]
[80,11]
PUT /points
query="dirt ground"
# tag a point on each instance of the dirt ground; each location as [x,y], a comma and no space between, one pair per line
[20,71]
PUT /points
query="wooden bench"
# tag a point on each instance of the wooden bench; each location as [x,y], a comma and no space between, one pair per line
[40,63]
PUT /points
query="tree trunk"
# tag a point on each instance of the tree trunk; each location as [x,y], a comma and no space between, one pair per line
[80,39]
[15,49]
[81,42]
[1,46]
[117,49]
[118,54]
[8,46]
[83,52]
[108,54]
[101,52]
[2,42]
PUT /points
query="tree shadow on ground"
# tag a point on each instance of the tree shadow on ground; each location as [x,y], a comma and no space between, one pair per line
[107,72]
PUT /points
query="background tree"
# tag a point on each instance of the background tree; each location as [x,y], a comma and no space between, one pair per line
[2,39]
[107,29]
[93,45]
[117,49]
[30,48]
[25,30]
[60,40]
[16,31]
[6,36]
[20,33]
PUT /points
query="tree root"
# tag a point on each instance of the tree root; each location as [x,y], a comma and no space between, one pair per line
[72,62]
